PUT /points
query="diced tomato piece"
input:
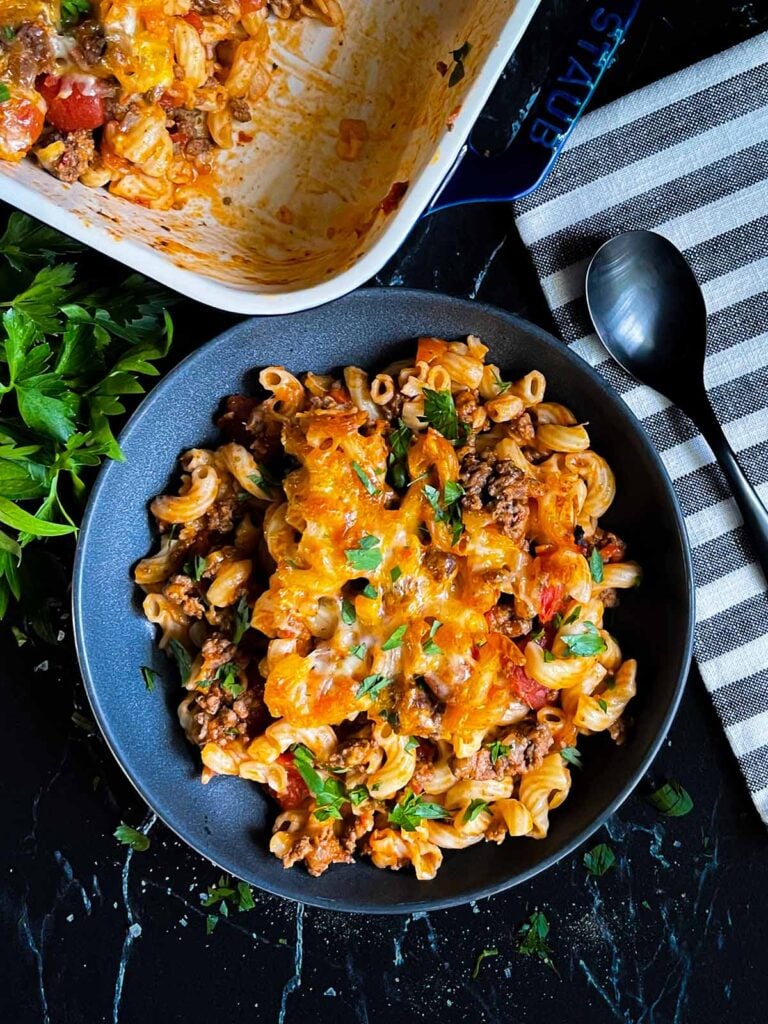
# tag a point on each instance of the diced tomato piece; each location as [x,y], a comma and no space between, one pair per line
[296,791]
[550,601]
[248,6]
[74,110]
[429,349]
[195,20]
[611,552]
[528,690]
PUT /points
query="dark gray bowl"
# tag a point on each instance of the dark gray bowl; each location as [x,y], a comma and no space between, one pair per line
[228,821]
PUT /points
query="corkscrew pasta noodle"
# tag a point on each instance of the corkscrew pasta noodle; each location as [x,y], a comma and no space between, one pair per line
[386,596]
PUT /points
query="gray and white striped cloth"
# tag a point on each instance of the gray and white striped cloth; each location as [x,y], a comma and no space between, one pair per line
[687,157]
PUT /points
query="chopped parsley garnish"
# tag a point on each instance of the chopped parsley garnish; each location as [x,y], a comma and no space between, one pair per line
[409,812]
[483,956]
[393,721]
[329,794]
[131,836]
[348,614]
[498,749]
[7,33]
[572,617]
[182,659]
[149,676]
[502,385]
[395,639]
[223,894]
[195,568]
[549,656]
[412,743]
[395,573]
[596,565]
[399,439]
[370,591]
[366,557]
[458,68]
[602,704]
[586,644]
[5,92]
[599,859]
[372,685]
[440,413]
[264,481]
[448,512]
[672,799]
[242,620]
[227,676]
[358,651]
[474,809]
[429,646]
[357,795]
[532,939]
[364,479]
[572,755]
[73,10]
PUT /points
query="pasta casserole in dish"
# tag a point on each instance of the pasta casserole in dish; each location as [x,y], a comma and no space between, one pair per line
[386,600]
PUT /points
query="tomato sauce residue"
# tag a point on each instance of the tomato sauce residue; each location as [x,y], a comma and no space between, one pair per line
[392,199]
[528,690]
[296,791]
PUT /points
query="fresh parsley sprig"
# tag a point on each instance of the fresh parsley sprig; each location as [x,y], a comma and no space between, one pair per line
[532,939]
[329,793]
[411,810]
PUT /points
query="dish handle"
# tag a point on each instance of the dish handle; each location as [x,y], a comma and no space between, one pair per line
[574,76]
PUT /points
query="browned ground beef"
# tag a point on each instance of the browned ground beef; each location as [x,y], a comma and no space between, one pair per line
[91,44]
[528,743]
[31,54]
[466,406]
[502,619]
[191,130]
[240,109]
[243,420]
[185,593]
[220,717]
[521,429]
[319,851]
[439,564]
[499,487]
[78,155]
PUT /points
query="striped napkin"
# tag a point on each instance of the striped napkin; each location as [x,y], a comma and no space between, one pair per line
[687,157]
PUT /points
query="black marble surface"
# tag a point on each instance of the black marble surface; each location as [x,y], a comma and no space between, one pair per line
[91,933]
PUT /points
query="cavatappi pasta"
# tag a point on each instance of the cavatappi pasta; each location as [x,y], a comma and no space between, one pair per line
[138,95]
[386,598]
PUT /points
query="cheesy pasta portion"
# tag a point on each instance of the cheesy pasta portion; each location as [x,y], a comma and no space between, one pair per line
[137,95]
[386,599]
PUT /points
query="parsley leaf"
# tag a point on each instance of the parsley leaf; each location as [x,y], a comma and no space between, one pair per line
[357,795]
[548,656]
[572,755]
[348,614]
[131,836]
[483,956]
[227,674]
[195,568]
[364,479]
[372,685]
[599,859]
[370,591]
[498,749]
[359,651]
[242,621]
[412,743]
[265,481]
[429,646]
[448,512]
[672,799]
[532,939]
[440,413]
[73,10]
[397,460]
[329,793]
[410,811]
[586,644]
[474,809]
[245,900]
[502,386]
[573,616]
[596,565]
[366,557]
[395,573]
[182,659]
[149,676]
[395,639]
[5,92]
[602,704]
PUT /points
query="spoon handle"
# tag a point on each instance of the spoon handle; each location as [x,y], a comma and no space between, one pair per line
[752,509]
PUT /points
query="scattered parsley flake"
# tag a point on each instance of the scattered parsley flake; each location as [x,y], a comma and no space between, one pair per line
[599,859]
[348,614]
[395,639]
[372,685]
[131,836]
[364,479]
[264,481]
[532,939]
[672,799]
[357,795]
[474,809]
[429,646]
[5,92]
[329,794]
[412,743]
[483,956]
[370,591]
[573,756]
[227,675]
[182,659]
[410,811]
[602,704]
[573,616]
[211,921]
[366,557]
[195,568]
[502,385]
[596,565]
[149,676]
[440,413]
[498,749]
[395,573]
[242,620]
[586,644]
[359,651]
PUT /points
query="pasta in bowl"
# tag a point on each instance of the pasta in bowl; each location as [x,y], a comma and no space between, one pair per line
[386,598]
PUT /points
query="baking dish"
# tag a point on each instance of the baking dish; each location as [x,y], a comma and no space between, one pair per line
[291,225]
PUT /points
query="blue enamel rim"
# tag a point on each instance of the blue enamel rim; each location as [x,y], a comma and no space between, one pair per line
[176,821]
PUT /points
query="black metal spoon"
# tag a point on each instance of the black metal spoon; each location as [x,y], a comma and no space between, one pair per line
[649,312]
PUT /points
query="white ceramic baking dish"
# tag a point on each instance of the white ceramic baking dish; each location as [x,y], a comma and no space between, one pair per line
[292,225]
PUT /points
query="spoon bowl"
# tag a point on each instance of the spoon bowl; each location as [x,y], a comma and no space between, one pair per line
[649,312]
